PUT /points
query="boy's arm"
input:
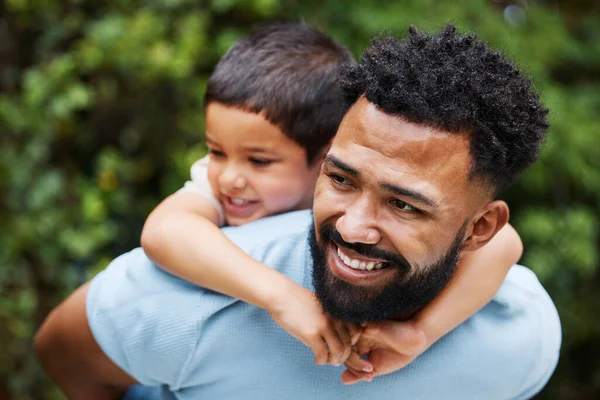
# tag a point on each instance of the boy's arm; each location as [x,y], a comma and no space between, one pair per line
[478,277]
[181,237]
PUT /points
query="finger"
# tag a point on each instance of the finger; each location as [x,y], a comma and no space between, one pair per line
[355,331]
[336,349]
[403,337]
[350,377]
[364,347]
[384,368]
[371,331]
[342,331]
[356,363]
[320,351]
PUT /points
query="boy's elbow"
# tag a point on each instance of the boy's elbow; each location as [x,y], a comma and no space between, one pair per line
[516,244]
[518,249]
[153,238]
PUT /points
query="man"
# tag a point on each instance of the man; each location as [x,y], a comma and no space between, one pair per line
[439,124]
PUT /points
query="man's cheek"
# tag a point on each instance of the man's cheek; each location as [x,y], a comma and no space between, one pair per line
[327,198]
[325,210]
[412,244]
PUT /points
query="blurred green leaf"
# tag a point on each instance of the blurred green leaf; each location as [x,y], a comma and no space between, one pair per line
[101,116]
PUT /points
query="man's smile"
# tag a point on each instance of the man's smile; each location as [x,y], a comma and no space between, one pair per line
[358,262]
[352,268]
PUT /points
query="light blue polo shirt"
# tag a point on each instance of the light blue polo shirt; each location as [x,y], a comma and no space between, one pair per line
[198,344]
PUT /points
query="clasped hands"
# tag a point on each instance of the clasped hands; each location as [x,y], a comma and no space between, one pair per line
[388,347]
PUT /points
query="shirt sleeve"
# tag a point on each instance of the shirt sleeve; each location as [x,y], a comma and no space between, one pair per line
[150,323]
[144,319]
[545,351]
[200,185]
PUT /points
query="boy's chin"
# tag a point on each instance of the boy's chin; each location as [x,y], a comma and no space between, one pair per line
[237,221]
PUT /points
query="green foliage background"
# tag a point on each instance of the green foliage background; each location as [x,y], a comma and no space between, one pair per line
[101,117]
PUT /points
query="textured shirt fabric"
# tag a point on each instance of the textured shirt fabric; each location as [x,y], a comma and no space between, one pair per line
[200,185]
[194,343]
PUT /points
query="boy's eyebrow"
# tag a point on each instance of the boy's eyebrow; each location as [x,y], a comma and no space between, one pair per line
[256,149]
[332,160]
[253,149]
[404,192]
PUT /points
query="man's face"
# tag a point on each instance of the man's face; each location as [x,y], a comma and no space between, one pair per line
[392,206]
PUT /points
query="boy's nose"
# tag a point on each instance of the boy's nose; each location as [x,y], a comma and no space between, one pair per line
[232,179]
[239,183]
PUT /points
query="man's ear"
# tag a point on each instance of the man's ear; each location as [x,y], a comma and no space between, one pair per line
[487,224]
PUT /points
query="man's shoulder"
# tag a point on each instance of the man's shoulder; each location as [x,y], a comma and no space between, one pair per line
[134,276]
[538,336]
[523,297]
[281,230]
[147,320]
[514,341]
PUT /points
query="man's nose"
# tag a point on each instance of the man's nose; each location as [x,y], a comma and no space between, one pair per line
[232,177]
[359,223]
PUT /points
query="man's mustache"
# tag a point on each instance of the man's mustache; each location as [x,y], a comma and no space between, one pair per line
[328,232]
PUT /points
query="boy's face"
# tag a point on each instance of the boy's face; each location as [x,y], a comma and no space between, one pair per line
[255,170]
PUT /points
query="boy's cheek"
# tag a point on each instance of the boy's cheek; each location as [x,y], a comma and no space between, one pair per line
[213,177]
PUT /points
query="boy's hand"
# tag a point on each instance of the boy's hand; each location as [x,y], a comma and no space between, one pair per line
[390,345]
[298,311]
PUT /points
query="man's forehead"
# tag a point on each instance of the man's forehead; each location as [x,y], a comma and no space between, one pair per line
[426,156]
[367,124]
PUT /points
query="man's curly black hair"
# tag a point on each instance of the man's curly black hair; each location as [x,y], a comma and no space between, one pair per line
[457,84]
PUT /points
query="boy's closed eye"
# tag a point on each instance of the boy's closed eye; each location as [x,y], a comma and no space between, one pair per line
[260,162]
[216,153]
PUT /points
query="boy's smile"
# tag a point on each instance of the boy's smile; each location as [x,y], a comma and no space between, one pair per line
[255,170]
[238,207]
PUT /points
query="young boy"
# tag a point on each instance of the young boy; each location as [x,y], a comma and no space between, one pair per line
[272,107]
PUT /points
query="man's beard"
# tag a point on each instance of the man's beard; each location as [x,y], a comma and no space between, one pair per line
[408,292]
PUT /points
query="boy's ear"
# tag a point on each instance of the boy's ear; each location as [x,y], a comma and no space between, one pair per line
[494,216]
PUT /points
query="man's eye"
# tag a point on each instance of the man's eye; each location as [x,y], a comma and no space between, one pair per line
[402,206]
[260,161]
[340,180]
[216,153]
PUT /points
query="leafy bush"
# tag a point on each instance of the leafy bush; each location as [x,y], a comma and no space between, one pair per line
[101,117]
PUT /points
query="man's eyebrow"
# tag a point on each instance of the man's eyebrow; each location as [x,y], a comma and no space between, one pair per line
[332,160]
[400,191]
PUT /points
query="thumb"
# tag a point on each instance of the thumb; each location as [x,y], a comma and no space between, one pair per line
[402,335]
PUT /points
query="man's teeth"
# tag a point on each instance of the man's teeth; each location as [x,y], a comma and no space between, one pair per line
[239,202]
[356,264]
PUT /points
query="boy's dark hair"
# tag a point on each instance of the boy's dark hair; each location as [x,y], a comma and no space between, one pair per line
[456,84]
[288,72]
